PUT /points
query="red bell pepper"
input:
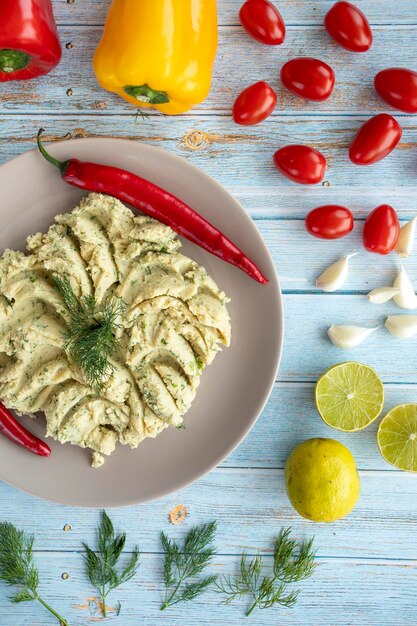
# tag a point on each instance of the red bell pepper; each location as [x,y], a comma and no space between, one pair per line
[29,42]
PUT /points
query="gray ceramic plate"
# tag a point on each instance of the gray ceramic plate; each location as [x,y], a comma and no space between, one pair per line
[233,390]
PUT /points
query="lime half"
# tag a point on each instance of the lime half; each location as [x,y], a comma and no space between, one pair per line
[397,437]
[349,396]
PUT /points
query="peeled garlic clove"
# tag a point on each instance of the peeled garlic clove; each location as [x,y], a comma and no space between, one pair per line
[382,294]
[335,275]
[406,239]
[402,326]
[406,299]
[348,336]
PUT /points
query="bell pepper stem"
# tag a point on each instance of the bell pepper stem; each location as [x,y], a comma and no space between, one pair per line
[144,93]
[61,165]
[13,60]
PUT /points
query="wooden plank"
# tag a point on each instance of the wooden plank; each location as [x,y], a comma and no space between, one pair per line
[290,417]
[367,270]
[357,592]
[241,158]
[308,352]
[293,11]
[251,505]
[274,198]
[142,596]
[354,92]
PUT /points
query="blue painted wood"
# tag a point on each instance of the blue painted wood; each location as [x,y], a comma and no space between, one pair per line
[294,12]
[393,359]
[365,592]
[240,158]
[353,92]
[368,562]
[251,506]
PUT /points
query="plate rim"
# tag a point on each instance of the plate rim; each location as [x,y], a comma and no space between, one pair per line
[274,279]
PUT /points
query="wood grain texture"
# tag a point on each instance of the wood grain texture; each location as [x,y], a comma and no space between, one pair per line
[393,585]
[241,158]
[295,12]
[366,270]
[291,417]
[308,352]
[368,561]
[250,506]
[353,93]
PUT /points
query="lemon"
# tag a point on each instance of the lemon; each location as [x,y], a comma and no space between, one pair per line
[397,437]
[322,480]
[349,396]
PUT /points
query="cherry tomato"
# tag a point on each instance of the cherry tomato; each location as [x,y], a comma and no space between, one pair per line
[330,221]
[262,21]
[375,140]
[398,87]
[309,78]
[301,164]
[349,27]
[254,104]
[381,230]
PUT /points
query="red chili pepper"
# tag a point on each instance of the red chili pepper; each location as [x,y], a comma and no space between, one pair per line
[14,431]
[155,202]
[29,42]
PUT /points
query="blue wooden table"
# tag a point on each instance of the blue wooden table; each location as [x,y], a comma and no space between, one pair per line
[367,573]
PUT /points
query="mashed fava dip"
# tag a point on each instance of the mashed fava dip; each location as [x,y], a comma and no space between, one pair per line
[172,325]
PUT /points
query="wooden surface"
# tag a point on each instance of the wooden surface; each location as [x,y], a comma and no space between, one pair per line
[367,574]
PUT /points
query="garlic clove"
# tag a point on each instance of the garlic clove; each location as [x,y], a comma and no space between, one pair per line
[406,299]
[402,326]
[335,275]
[382,294]
[348,336]
[406,239]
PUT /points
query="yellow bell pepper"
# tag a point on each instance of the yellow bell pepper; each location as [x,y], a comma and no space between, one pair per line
[158,53]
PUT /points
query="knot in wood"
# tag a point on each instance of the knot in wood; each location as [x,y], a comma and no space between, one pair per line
[196,140]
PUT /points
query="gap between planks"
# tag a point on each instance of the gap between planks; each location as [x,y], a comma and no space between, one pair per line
[236,26]
[321,557]
[201,113]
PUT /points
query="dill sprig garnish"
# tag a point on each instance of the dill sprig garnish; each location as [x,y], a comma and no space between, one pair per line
[102,567]
[267,591]
[18,568]
[90,339]
[179,565]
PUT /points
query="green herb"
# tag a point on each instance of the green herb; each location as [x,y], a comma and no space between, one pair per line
[90,339]
[17,566]
[267,591]
[102,567]
[179,565]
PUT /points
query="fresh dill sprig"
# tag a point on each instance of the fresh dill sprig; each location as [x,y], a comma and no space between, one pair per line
[179,565]
[18,568]
[102,567]
[268,591]
[90,339]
